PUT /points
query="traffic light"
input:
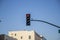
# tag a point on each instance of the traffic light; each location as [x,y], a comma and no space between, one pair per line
[0,20]
[59,31]
[27,19]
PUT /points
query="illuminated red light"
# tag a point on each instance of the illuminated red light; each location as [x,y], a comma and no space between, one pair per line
[27,15]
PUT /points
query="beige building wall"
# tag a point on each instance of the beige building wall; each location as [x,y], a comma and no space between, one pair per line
[22,35]
[25,35]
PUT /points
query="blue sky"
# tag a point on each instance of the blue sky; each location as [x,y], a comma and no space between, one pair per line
[12,14]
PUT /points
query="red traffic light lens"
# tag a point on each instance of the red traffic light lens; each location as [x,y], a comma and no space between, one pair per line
[27,15]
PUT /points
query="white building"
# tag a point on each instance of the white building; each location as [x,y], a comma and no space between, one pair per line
[5,37]
[25,35]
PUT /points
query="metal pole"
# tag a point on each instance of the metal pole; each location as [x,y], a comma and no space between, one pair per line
[46,23]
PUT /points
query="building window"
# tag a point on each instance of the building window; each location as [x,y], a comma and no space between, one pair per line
[15,34]
[21,37]
[29,37]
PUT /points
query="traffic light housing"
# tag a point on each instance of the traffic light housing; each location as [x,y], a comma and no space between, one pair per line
[27,19]
[59,31]
[0,20]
